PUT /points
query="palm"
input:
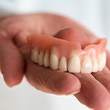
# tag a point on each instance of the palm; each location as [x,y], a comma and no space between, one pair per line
[94,88]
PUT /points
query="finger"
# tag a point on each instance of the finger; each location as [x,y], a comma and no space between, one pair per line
[74,34]
[92,93]
[11,62]
[50,81]
[103,77]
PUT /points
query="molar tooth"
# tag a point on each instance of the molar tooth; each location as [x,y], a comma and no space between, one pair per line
[63,64]
[74,64]
[95,65]
[86,66]
[53,59]
[34,55]
[41,58]
[102,61]
[46,59]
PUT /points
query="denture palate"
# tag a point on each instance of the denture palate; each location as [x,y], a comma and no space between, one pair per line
[59,54]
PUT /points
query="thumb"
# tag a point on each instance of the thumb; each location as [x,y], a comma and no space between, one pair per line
[49,81]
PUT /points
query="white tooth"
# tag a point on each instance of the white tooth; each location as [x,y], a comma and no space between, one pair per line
[104,57]
[102,61]
[63,64]
[74,64]
[46,59]
[53,59]
[95,67]
[86,66]
[41,58]
[34,55]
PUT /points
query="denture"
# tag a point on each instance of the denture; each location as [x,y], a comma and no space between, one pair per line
[66,55]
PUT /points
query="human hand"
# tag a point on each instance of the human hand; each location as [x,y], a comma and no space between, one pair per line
[14,32]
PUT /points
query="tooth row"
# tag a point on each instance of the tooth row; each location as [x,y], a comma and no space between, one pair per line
[73,65]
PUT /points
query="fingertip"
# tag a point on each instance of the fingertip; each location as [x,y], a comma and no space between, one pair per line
[12,81]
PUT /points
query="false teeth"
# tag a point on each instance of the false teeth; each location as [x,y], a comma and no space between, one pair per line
[63,64]
[102,61]
[54,61]
[86,66]
[74,64]
[34,55]
[46,59]
[95,65]
[41,58]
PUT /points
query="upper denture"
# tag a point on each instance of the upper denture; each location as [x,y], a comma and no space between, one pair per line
[68,56]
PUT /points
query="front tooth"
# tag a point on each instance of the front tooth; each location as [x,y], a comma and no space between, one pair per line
[86,66]
[41,58]
[63,64]
[74,64]
[102,61]
[53,59]
[34,55]
[46,59]
[95,65]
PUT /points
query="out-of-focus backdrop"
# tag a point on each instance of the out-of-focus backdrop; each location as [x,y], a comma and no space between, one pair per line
[94,14]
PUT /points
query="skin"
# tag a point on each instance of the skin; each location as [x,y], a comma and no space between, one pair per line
[93,90]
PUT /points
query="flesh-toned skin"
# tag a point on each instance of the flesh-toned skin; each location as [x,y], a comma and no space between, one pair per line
[93,89]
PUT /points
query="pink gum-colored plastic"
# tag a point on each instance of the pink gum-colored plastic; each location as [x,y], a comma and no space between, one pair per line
[64,47]
[97,48]
[90,45]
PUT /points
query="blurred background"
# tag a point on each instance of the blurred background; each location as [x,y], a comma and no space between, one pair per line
[94,14]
